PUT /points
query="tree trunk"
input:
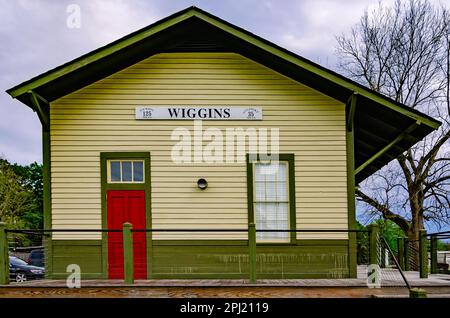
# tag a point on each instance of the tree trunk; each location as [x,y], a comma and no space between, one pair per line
[413,250]
[416,205]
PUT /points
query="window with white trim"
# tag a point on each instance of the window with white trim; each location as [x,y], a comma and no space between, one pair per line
[271,200]
[126,171]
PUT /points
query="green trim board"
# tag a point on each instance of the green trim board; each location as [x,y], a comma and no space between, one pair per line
[105,186]
[351,206]
[47,199]
[4,260]
[350,111]
[290,158]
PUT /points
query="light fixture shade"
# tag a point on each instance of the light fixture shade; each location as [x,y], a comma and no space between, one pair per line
[202,184]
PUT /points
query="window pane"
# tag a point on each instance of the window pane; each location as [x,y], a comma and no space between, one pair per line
[260,219]
[271,191]
[138,171]
[115,171]
[260,191]
[272,216]
[259,176]
[282,191]
[126,171]
[270,172]
[282,172]
[283,220]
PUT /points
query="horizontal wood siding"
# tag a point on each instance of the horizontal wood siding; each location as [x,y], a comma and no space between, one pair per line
[100,118]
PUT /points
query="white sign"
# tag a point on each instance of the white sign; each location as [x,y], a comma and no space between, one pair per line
[198,113]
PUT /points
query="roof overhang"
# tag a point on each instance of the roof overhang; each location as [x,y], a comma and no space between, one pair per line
[383,128]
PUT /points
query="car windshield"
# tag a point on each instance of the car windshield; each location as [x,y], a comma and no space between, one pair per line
[17,261]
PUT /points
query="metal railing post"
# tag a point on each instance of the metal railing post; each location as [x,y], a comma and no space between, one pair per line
[423,254]
[373,243]
[383,240]
[4,255]
[401,252]
[128,263]
[407,267]
[433,254]
[252,252]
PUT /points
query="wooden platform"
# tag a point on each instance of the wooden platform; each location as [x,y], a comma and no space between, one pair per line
[389,278]
[391,286]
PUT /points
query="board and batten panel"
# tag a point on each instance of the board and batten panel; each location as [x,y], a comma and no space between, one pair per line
[101,117]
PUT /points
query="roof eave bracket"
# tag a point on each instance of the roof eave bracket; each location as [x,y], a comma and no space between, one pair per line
[351,104]
[43,116]
[386,148]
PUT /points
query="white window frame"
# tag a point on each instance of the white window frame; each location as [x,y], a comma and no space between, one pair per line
[108,171]
[255,202]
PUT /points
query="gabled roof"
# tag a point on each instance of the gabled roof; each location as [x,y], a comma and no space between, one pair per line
[383,127]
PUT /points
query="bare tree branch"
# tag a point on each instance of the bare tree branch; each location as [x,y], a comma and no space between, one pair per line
[387,214]
[403,51]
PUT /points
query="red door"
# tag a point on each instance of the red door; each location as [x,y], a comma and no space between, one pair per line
[126,206]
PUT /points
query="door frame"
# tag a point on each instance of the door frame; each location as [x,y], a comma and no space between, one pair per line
[105,186]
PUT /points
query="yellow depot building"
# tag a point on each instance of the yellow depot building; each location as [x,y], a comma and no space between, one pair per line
[195,124]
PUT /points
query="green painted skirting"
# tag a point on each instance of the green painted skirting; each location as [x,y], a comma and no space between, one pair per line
[214,259]
[273,261]
[85,253]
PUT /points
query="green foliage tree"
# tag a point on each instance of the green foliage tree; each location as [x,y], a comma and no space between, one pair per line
[388,229]
[21,199]
[362,245]
[31,179]
[443,246]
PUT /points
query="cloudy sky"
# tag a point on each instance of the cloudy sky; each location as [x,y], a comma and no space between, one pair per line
[34,38]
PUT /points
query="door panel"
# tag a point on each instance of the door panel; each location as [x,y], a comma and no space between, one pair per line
[126,206]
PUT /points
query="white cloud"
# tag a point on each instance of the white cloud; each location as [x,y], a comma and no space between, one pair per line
[108,20]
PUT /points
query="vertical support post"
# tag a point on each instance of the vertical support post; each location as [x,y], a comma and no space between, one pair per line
[417,293]
[128,264]
[406,255]
[4,256]
[47,202]
[351,206]
[373,241]
[401,252]
[252,252]
[423,254]
[433,254]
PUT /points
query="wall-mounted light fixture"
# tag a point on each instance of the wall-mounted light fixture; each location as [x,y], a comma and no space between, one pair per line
[202,184]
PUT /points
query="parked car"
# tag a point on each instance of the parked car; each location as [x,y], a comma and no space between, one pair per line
[36,258]
[20,271]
